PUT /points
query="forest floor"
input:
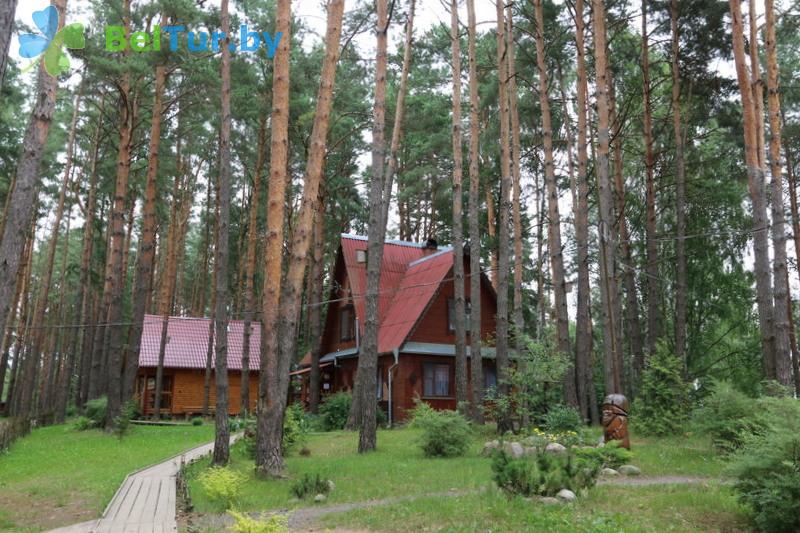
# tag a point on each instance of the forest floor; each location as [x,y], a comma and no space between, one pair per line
[682,488]
[58,476]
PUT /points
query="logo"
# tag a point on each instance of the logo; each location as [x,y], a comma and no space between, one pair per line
[200,41]
[52,42]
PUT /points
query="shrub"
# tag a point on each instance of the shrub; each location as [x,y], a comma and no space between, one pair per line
[295,426]
[335,410]
[543,474]
[663,402]
[96,411]
[243,523]
[612,455]
[767,468]
[222,485]
[444,433]
[726,414]
[197,421]
[82,423]
[122,423]
[562,418]
[310,485]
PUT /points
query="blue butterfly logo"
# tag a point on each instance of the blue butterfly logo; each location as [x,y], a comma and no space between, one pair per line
[51,42]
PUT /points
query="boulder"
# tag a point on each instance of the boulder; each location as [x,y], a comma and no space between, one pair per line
[630,470]
[514,449]
[555,448]
[490,446]
[566,495]
[319,498]
[609,472]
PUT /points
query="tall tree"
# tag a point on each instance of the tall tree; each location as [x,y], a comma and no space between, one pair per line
[755,181]
[20,206]
[783,356]
[501,348]
[608,282]
[553,214]
[222,432]
[301,236]
[654,319]
[368,354]
[269,459]
[7,10]
[458,232]
[476,365]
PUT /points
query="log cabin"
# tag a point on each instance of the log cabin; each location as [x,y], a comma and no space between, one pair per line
[186,349]
[416,334]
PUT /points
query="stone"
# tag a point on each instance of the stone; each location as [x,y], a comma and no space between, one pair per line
[609,472]
[319,498]
[555,448]
[490,446]
[630,470]
[331,485]
[514,449]
[549,500]
[566,495]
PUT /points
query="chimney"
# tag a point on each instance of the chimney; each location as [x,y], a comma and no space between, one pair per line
[431,244]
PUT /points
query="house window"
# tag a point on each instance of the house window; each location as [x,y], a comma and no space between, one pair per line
[166,393]
[436,380]
[489,377]
[347,320]
[451,315]
[361,256]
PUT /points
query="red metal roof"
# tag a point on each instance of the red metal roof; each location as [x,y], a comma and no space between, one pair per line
[410,276]
[187,343]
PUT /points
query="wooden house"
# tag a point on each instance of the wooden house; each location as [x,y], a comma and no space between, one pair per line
[416,335]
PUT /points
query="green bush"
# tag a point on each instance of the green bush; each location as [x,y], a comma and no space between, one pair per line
[310,486]
[444,433]
[198,421]
[96,411]
[335,410]
[222,485]
[543,474]
[612,455]
[122,423]
[767,467]
[243,523]
[662,406]
[561,418]
[295,427]
[82,423]
[726,415]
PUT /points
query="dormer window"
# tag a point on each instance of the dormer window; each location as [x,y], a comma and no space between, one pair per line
[361,256]
[451,315]
[347,322]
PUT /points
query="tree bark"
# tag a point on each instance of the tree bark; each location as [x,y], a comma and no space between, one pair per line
[317,277]
[476,365]
[23,197]
[8,334]
[7,10]
[462,397]
[783,355]
[755,179]
[269,459]
[501,348]
[654,317]
[554,226]
[608,282]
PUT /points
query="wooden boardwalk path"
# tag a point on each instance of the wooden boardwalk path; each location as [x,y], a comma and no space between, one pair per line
[145,502]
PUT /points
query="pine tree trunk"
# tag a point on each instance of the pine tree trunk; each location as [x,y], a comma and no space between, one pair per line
[147,240]
[608,283]
[368,354]
[755,179]
[654,317]
[213,309]
[222,431]
[252,248]
[476,365]
[491,231]
[7,10]
[501,348]
[23,197]
[583,324]
[317,277]
[553,214]
[462,398]
[796,233]
[8,334]
[783,355]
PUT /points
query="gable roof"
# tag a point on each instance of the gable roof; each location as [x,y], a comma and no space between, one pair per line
[411,274]
[187,343]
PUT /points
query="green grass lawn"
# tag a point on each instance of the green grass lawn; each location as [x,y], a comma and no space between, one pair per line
[57,476]
[398,469]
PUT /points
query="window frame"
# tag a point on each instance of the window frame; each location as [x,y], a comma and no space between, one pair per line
[451,318]
[351,323]
[432,366]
